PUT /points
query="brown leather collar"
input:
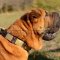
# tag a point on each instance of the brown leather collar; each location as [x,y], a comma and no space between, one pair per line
[8,36]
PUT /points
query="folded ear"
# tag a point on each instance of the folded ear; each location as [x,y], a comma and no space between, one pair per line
[33,15]
[25,17]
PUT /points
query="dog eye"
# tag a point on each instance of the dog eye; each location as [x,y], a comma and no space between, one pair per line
[34,17]
[40,27]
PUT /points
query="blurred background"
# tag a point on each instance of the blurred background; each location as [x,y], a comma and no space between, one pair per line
[10,10]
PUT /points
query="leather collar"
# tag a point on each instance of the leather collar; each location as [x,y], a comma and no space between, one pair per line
[10,37]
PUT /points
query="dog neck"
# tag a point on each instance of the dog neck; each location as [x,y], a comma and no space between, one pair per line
[13,39]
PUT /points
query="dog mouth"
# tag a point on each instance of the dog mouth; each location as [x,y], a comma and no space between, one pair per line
[46,36]
[49,36]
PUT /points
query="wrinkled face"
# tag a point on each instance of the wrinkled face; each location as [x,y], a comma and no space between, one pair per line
[38,25]
[38,20]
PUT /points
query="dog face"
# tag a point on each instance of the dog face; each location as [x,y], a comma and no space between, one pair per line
[37,18]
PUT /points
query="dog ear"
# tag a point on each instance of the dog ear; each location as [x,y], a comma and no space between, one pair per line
[30,16]
[33,14]
[25,17]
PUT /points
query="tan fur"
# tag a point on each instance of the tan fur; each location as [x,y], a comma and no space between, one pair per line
[27,32]
[9,51]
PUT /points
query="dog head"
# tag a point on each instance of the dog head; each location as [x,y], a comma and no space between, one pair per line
[36,18]
[40,21]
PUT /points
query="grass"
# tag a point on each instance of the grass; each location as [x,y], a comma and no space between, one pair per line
[45,55]
[49,4]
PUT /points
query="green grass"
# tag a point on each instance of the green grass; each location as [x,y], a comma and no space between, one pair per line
[49,4]
[45,55]
[6,19]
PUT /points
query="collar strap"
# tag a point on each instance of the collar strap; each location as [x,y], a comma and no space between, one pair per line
[10,37]
[13,39]
[16,41]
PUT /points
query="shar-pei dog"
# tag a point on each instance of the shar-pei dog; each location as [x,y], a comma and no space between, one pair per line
[33,27]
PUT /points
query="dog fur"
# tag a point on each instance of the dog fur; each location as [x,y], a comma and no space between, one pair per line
[30,28]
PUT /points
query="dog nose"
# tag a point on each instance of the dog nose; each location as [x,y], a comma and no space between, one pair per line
[49,36]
